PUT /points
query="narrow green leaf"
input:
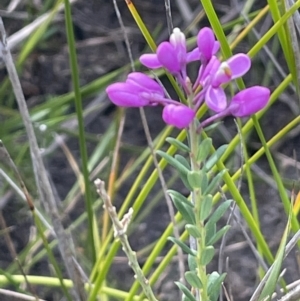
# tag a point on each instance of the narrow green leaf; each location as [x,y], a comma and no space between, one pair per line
[276,267]
[206,207]
[172,161]
[186,291]
[183,178]
[207,255]
[293,48]
[185,210]
[179,196]
[180,145]
[37,35]
[211,230]
[182,245]
[284,37]
[204,182]
[192,262]
[204,149]
[214,182]
[212,278]
[193,279]
[194,178]
[219,212]
[214,284]
[81,128]
[212,126]
[218,235]
[52,259]
[183,161]
[215,157]
[193,230]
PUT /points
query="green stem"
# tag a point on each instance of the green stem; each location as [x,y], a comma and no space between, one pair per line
[79,111]
[199,243]
[54,282]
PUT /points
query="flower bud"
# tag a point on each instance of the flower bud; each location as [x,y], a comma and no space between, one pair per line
[249,101]
[179,116]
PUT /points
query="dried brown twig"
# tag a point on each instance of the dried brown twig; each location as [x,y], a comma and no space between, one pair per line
[120,228]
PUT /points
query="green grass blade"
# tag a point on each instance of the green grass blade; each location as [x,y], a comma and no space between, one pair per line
[284,37]
[51,256]
[282,191]
[82,141]
[272,281]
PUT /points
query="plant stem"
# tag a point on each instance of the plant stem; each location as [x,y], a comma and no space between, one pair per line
[199,243]
[81,131]
[120,229]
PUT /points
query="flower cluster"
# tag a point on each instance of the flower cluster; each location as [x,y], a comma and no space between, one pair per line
[140,90]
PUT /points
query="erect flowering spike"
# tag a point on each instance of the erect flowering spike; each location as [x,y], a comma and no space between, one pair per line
[140,90]
[179,116]
[249,101]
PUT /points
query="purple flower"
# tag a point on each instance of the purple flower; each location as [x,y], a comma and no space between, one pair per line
[207,44]
[249,101]
[216,73]
[179,116]
[216,99]
[174,57]
[139,90]
[178,41]
[245,103]
[171,55]
[233,68]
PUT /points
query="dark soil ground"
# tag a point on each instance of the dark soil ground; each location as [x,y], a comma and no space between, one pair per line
[101,48]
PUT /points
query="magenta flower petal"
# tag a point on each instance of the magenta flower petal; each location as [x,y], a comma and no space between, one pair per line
[206,43]
[215,98]
[178,41]
[179,116]
[167,56]
[150,61]
[193,55]
[125,95]
[235,67]
[144,82]
[210,70]
[239,64]
[216,47]
[222,76]
[249,101]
